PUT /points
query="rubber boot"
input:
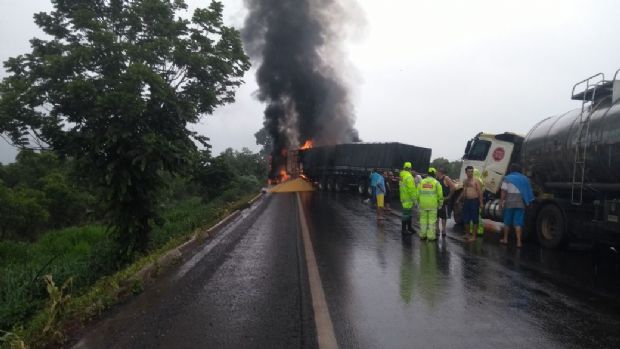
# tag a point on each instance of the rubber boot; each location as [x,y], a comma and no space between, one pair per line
[409,226]
[404,227]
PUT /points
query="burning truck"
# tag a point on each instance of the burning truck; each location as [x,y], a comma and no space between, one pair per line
[347,166]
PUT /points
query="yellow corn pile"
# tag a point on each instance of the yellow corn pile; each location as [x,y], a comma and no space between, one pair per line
[293,185]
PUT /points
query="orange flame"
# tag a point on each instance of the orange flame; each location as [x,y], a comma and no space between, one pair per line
[307,145]
[284,176]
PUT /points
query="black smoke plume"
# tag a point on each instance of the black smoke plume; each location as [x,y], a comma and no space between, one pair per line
[301,66]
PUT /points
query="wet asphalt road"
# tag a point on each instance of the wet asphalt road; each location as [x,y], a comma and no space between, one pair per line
[248,288]
[386,291]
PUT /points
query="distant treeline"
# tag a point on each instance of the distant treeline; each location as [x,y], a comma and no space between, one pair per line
[452,168]
[41,191]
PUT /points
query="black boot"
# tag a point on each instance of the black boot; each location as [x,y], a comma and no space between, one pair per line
[410,226]
[404,227]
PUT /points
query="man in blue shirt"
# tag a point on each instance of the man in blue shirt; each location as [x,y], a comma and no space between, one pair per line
[515,197]
[374,178]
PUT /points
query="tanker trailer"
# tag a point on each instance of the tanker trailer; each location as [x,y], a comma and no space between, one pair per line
[573,162]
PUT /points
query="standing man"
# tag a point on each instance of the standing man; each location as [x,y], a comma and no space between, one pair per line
[374,178]
[472,201]
[407,190]
[380,195]
[430,197]
[447,187]
[516,195]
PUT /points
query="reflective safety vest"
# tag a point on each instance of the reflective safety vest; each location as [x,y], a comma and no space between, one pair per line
[429,193]
[478,177]
[407,189]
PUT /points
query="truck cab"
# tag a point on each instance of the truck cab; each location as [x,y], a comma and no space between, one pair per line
[491,154]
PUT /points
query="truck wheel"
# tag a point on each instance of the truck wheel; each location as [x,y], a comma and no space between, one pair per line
[330,185]
[338,186]
[361,188]
[551,227]
[457,212]
[530,223]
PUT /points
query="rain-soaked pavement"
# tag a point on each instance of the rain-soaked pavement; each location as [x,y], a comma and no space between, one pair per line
[248,288]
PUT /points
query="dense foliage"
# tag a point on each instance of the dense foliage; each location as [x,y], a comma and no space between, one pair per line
[453,168]
[114,89]
[222,175]
[38,193]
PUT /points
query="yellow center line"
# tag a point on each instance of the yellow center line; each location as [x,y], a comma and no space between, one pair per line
[322,320]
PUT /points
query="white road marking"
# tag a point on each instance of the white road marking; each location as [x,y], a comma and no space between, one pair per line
[322,320]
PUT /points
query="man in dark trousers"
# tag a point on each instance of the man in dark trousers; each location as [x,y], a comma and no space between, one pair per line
[471,196]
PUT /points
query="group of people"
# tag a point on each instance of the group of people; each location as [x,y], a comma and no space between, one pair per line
[427,193]
[516,193]
[431,196]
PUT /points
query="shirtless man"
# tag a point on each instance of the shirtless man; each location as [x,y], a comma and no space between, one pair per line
[472,201]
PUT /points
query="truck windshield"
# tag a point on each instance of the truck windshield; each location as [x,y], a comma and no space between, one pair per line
[478,150]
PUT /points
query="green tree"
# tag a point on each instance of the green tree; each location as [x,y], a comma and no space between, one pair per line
[453,168]
[115,88]
[22,214]
[29,167]
[213,175]
[63,198]
[263,138]
[65,202]
[245,162]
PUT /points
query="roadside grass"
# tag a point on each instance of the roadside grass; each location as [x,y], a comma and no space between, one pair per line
[54,286]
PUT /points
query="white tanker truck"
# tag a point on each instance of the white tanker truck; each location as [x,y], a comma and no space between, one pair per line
[573,162]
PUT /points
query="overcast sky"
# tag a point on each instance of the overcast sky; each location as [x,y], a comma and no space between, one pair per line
[429,73]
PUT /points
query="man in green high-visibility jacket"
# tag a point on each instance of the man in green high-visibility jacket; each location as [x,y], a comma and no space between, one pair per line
[429,198]
[407,190]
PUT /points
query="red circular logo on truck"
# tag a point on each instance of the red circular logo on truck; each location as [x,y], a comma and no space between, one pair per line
[498,154]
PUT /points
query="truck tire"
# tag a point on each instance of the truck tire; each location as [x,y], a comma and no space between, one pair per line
[337,186]
[551,227]
[330,184]
[361,188]
[457,212]
[529,230]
